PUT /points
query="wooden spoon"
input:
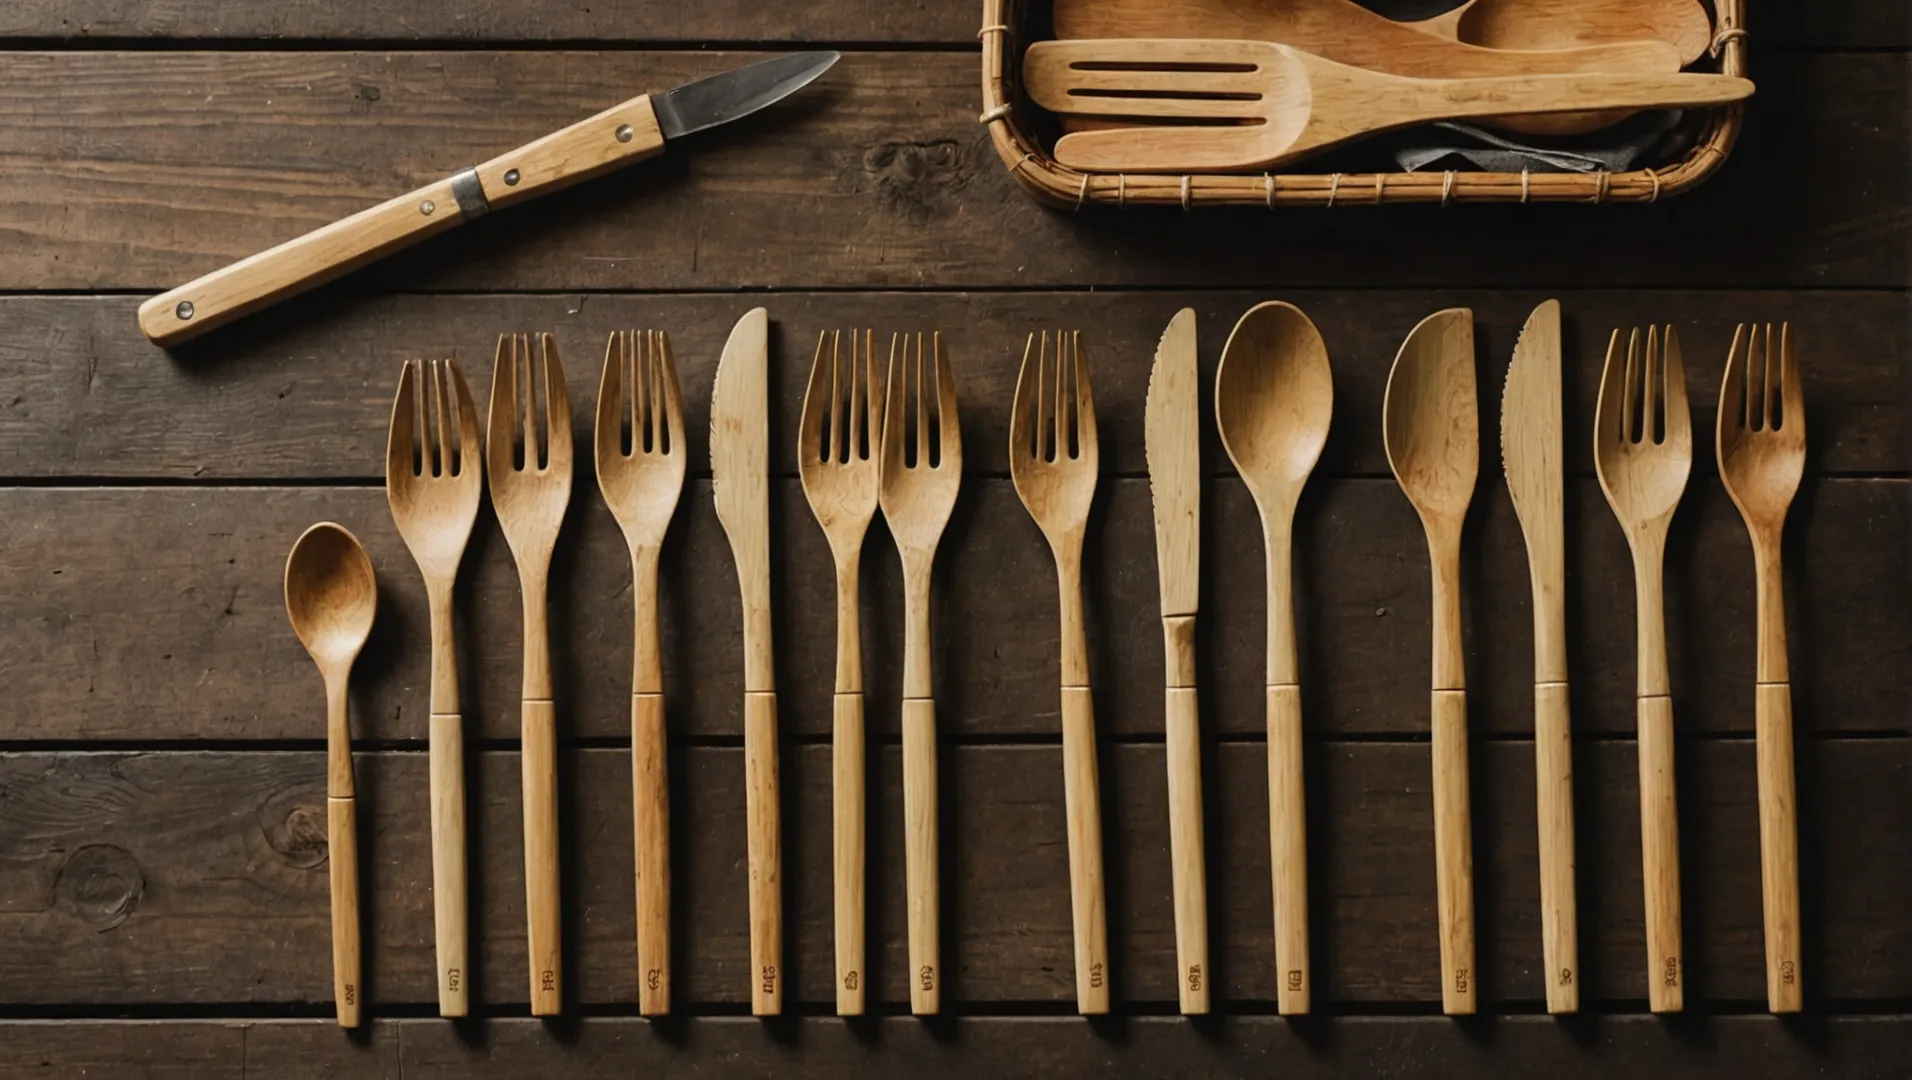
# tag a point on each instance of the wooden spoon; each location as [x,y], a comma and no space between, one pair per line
[1238,105]
[1346,32]
[1274,397]
[1568,24]
[331,597]
[1432,431]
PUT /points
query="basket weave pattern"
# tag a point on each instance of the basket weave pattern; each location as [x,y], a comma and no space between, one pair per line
[1057,185]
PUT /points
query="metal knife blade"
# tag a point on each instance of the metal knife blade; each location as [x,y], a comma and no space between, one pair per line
[1530,449]
[719,99]
[1173,434]
[740,470]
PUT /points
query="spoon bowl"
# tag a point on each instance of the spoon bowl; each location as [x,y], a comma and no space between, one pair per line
[1573,24]
[1431,417]
[1274,397]
[331,595]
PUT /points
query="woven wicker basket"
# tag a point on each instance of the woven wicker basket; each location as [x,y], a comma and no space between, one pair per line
[1003,40]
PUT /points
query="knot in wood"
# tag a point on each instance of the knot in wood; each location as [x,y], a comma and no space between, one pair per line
[101,884]
[918,178]
[293,823]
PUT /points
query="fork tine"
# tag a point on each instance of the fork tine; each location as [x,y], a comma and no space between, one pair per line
[654,381]
[557,408]
[810,433]
[1768,382]
[835,440]
[442,440]
[468,456]
[1652,400]
[1022,413]
[921,455]
[1628,408]
[1792,394]
[1086,445]
[874,398]
[501,435]
[398,438]
[891,457]
[524,372]
[1732,391]
[1608,421]
[608,431]
[852,406]
[1063,405]
[1678,429]
[673,399]
[949,452]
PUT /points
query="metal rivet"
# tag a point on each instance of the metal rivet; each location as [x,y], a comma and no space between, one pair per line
[184,310]
[427,207]
[624,133]
[511,178]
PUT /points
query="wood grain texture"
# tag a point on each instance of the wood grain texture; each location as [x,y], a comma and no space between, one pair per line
[118,861]
[1860,23]
[1862,1048]
[82,664]
[877,177]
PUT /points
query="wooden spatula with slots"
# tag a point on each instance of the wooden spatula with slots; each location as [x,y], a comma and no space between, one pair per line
[1241,105]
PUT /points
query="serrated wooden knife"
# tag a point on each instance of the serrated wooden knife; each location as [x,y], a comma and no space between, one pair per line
[1530,448]
[1173,434]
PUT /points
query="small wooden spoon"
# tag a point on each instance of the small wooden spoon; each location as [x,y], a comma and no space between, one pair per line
[1570,24]
[1432,429]
[1239,105]
[331,597]
[1274,397]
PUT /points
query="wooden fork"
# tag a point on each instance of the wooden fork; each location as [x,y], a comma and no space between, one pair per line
[837,453]
[1643,450]
[530,467]
[640,468]
[1761,441]
[434,477]
[1054,458]
[922,471]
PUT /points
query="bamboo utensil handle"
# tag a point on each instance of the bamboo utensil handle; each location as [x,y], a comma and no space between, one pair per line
[1453,829]
[1553,767]
[544,934]
[764,846]
[450,905]
[1288,839]
[920,854]
[1450,99]
[650,783]
[622,134]
[1778,846]
[1660,852]
[341,830]
[1082,797]
[1453,852]
[1184,751]
[341,837]
[1778,808]
[848,811]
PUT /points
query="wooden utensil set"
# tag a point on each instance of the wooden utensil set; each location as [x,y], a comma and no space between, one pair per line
[1226,85]
[895,441]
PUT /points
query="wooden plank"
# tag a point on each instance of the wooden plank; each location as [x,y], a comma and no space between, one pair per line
[157,613]
[307,394]
[199,877]
[139,170]
[1756,1047]
[1864,23]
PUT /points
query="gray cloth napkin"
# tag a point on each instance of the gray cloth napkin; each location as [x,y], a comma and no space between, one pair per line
[1450,145]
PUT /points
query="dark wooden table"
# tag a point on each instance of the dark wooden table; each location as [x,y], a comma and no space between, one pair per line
[162,854]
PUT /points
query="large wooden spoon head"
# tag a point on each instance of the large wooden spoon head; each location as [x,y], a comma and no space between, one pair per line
[331,596]
[1432,418]
[1274,398]
[1568,24]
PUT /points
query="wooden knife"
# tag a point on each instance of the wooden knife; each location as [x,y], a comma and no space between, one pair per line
[1530,449]
[1173,434]
[618,136]
[740,480]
